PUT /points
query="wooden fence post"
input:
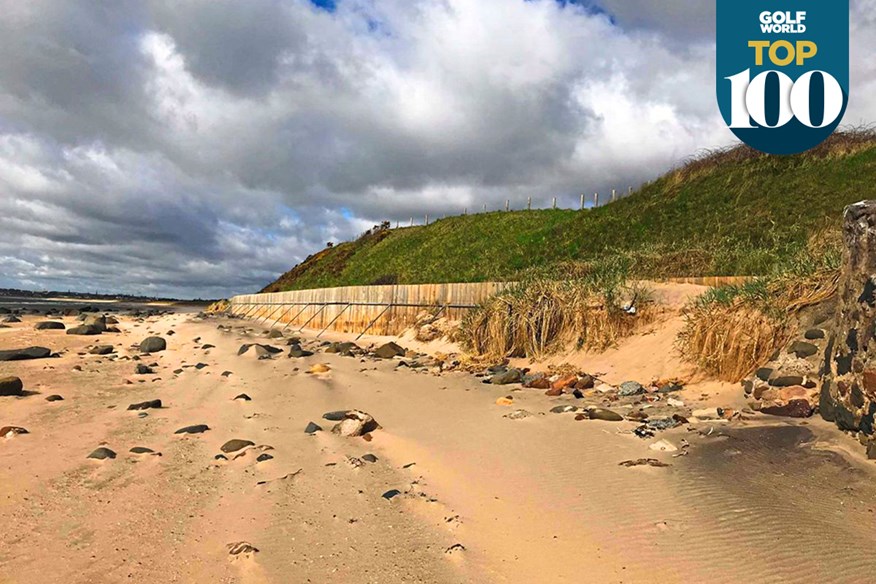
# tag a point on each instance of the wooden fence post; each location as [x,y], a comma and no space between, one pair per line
[529,203]
[555,203]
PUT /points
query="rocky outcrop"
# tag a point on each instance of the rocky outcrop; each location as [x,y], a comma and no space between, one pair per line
[848,389]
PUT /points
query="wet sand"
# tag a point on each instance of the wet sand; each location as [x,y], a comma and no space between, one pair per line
[483,498]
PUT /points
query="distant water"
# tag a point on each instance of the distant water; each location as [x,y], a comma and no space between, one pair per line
[44,304]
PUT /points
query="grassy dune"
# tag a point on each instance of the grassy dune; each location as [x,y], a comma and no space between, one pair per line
[732,212]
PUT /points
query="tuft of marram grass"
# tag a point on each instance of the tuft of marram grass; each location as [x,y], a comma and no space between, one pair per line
[732,330]
[541,316]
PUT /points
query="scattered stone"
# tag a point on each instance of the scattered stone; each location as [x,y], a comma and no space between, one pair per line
[146,405]
[507,377]
[355,423]
[153,345]
[243,397]
[319,369]
[11,319]
[102,350]
[564,409]
[455,549]
[505,401]
[54,398]
[263,457]
[102,453]
[389,350]
[142,450]
[25,354]
[604,415]
[206,346]
[196,429]
[226,373]
[629,388]
[235,444]
[10,431]
[11,386]
[85,329]
[643,462]
[296,352]
[388,495]
[335,416]
[142,369]
[312,428]
[49,325]
[786,380]
[369,458]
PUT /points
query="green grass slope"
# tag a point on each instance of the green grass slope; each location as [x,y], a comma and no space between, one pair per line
[733,212]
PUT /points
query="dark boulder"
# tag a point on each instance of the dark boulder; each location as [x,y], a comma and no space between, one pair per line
[49,325]
[102,453]
[312,428]
[389,350]
[11,386]
[153,345]
[24,354]
[196,429]
[84,329]
[235,444]
[102,350]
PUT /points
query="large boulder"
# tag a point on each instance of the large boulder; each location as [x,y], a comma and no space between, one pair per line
[153,345]
[48,325]
[10,386]
[24,354]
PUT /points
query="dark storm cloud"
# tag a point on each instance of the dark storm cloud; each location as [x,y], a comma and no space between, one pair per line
[202,147]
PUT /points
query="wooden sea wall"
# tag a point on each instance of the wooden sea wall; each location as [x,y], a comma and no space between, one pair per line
[352,309]
[389,310]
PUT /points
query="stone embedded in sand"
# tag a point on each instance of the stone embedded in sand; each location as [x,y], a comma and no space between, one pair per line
[146,405]
[11,319]
[98,322]
[312,428]
[629,388]
[241,547]
[802,349]
[10,431]
[604,415]
[369,458]
[565,382]
[554,392]
[207,346]
[49,325]
[153,345]
[102,453]
[259,351]
[141,450]
[25,354]
[275,334]
[54,398]
[196,429]
[505,401]
[814,334]
[102,350]
[319,369]
[355,423]
[226,373]
[786,380]
[142,369]
[391,494]
[235,444]
[585,382]
[243,397]
[518,415]
[541,382]
[11,386]
[389,350]
[263,457]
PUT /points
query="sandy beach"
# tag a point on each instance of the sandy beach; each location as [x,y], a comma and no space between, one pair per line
[458,490]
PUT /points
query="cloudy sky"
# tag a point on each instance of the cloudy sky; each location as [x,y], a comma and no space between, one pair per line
[202,147]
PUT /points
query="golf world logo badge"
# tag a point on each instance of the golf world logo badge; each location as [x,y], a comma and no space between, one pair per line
[783,71]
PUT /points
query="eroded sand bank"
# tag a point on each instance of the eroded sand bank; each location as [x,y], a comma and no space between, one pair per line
[484,498]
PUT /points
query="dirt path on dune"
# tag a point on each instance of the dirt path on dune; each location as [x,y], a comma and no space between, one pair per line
[481,497]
